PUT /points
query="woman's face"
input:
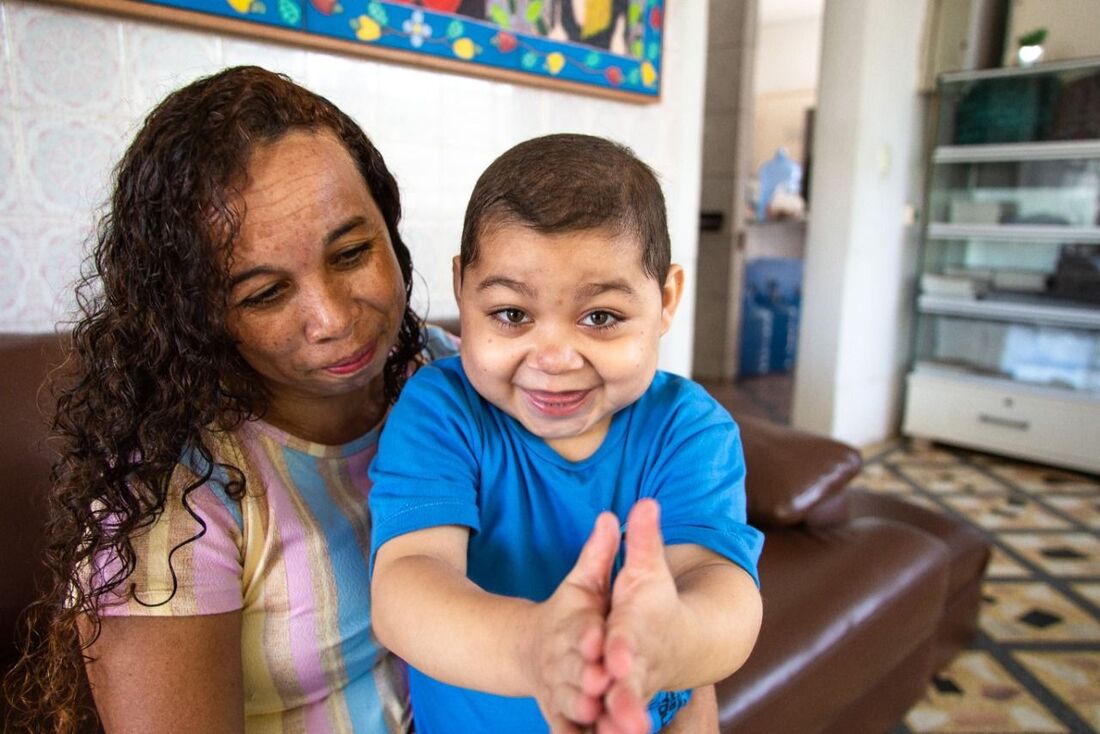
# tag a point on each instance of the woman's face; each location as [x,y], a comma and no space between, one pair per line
[316,296]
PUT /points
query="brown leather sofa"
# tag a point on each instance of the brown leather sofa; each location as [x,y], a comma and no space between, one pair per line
[865,596]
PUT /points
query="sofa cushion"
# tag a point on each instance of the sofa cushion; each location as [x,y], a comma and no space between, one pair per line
[25,463]
[795,477]
[843,607]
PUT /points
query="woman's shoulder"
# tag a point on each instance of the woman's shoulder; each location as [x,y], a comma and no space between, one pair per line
[439,343]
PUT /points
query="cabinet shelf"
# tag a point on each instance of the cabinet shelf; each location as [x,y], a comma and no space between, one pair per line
[1012,232]
[1000,362]
[1017,152]
[1027,310]
[964,376]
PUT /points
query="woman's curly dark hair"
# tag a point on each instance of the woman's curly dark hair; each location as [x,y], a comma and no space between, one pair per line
[155,366]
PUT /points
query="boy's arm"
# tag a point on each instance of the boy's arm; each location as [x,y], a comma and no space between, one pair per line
[428,612]
[680,617]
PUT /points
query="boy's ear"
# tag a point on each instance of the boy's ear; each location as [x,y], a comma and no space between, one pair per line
[671,292]
[456,278]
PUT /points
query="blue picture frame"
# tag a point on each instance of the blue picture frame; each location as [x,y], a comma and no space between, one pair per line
[617,49]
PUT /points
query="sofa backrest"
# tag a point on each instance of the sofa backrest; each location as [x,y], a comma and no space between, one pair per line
[25,461]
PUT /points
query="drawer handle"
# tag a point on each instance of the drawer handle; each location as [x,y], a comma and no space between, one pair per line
[1003,422]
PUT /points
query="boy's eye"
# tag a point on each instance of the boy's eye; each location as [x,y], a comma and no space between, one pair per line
[511,316]
[600,320]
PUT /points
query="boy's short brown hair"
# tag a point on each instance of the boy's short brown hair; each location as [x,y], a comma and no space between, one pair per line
[566,183]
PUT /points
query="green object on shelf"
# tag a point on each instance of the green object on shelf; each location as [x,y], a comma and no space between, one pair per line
[1033,38]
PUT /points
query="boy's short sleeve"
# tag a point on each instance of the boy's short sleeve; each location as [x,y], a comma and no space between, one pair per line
[699,481]
[426,471]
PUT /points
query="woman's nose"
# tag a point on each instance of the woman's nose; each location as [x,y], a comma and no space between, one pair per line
[329,312]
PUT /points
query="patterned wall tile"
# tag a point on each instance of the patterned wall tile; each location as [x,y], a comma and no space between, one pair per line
[11,176]
[69,162]
[13,276]
[67,242]
[351,84]
[268,54]
[438,131]
[160,59]
[64,59]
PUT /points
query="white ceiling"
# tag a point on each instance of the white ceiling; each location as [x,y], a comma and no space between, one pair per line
[781,11]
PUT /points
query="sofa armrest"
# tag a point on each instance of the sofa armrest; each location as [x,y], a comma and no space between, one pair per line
[795,477]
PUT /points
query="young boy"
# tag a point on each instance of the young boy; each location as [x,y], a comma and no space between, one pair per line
[493,470]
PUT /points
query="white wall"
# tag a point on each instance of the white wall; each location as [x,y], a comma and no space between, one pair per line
[1071,28]
[788,55]
[785,84]
[74,85]
[853,339]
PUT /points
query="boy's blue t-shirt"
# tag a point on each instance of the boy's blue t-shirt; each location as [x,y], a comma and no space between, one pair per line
[449,457]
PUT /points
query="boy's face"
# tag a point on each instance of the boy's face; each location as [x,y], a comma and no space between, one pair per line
[561,331]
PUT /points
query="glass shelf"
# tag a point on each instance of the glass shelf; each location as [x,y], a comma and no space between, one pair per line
[1061,356]
[1014,307]
[1010,152]
[1046,102]
[1013,232]
[1044,193]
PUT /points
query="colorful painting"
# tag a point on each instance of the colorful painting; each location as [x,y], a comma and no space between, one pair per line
[608,44]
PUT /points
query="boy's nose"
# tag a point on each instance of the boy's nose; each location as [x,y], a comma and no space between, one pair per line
[329,313]
[554,356]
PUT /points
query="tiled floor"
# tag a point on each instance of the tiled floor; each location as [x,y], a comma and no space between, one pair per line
[1035,665]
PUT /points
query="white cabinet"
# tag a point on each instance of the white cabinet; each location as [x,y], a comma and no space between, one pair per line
[1006,354]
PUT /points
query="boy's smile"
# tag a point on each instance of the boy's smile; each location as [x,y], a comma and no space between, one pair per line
[561,331]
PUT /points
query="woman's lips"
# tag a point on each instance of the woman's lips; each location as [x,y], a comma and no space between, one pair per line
[557,404]
[354,363]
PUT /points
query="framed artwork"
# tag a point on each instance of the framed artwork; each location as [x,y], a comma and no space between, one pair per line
[607,47]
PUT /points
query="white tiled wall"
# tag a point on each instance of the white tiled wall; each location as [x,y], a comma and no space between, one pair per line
[74,85]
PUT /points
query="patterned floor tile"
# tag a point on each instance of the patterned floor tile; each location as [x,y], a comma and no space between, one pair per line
[1090,590]
[1072,676]
[1006,512]
[1059,554]
[976,694]
[952,479]
[1034,612]
[1085,510]
[917,452]
[1003,566]
[881,478]
[1036,478]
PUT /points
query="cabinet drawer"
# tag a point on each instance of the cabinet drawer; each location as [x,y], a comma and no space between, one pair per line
[1005,418]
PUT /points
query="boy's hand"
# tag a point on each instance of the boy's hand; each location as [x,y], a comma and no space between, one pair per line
[568,676]
[641,625]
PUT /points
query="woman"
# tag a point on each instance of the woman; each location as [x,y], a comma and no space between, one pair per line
[245,330]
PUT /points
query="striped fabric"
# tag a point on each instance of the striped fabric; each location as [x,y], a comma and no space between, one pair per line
[291,556]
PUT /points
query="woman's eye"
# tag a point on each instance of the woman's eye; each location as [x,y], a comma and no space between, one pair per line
[264,297]
[351,255]
[600,320]
[511,316]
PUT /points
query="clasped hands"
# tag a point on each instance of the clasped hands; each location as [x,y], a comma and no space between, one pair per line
[598,651]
